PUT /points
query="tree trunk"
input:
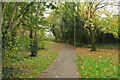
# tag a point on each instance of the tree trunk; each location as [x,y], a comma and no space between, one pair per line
[4,37]
[74,30]
[63,33]
[31,41]
[35,48]
[93,48]
[13,35]
[1,22]
[53,31]
[92,33]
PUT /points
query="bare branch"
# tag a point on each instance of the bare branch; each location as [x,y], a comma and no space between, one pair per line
[97,6]
[11,19]
[102,6]
[3,10]
[14,11]
[21,15]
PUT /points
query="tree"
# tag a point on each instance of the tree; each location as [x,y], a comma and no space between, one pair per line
[53,24]
[37,19]
[11,17]
[91,14]
[66,23]
[110,25]
[84,15]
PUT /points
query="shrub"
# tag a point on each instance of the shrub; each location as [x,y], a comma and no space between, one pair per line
[23,43]
[89,46]
[79,44]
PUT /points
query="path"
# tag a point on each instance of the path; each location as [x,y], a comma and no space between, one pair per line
[65,66]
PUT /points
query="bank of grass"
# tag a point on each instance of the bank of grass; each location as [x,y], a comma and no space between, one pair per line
[107,46]
[100,45]
[31,67]
[102,63]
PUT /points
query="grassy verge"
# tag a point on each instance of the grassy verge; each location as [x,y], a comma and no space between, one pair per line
[107,46]
[102,63]
[100,45]
[31,67]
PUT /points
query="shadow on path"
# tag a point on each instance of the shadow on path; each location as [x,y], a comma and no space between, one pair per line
[65,66]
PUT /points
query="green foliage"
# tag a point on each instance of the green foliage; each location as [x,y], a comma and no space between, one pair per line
[62,22]
[107,46]
[24,66]
[110,25]
[89,46]
[9,52]
[63,28]
[9,72]
[79,45]
[23,43]
[25,14]
[50,38]
[41,39]
[99,45]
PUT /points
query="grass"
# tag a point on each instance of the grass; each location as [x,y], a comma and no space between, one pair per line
[99,45]
[31,67]
[107,46]
[102,63]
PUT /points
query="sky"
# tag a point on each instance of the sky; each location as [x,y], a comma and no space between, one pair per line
[110,9]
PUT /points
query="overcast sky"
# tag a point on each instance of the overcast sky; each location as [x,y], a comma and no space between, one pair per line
[110,9]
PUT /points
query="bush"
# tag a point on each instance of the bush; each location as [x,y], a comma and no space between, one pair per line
[50,38]
[23,43]
[79,45]
[89,46]
[107,46]
[9,72]
[41,41]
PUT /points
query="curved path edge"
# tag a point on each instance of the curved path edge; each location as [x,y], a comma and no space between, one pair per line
[65,66]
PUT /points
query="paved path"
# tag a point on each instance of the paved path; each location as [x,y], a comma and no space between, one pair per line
[65,66]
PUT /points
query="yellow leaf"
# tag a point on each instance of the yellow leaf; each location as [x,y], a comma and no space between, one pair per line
[108,3]
[95,3]
[114,23]
[97,10]
[90,19]
[112,5]
[92,28]
[116,33]
[79,13]
[87,10]
[92,10]
[5,50]
[88,5]
[92,25]
[85,25]
[57,10]
[75,14]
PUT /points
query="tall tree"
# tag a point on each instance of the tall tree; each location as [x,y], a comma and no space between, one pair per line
[92,14]
[12,13]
